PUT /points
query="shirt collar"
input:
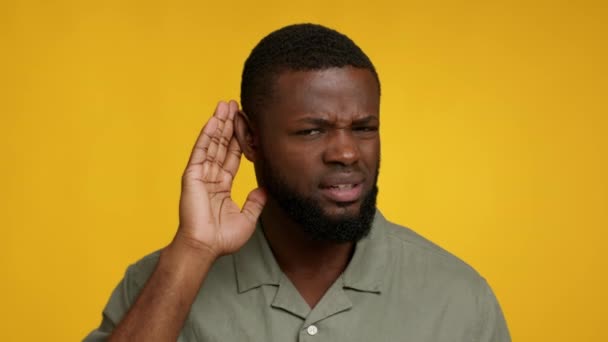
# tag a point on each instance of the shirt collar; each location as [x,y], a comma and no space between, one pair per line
[366,269]
[255,264]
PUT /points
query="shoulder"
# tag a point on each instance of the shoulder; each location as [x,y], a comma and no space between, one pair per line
[440,285]
[139,272]
[428,262]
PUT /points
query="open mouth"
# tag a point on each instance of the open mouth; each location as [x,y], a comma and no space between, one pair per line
[350,192]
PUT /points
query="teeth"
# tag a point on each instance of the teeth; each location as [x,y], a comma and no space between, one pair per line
[343,186]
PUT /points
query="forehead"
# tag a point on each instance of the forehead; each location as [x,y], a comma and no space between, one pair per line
[333,92]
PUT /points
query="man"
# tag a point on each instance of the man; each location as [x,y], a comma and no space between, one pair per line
[308,257]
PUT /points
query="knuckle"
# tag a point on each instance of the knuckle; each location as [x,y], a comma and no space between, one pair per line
[249,214]
[202,148]
[224,141]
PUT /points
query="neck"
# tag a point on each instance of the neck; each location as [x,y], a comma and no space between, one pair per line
[295,251]
[312,266]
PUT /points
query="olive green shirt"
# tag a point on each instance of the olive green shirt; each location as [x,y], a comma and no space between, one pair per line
[397,287]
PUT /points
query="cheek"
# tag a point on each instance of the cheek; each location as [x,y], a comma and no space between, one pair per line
[303,166]
[298,163]
[370,153]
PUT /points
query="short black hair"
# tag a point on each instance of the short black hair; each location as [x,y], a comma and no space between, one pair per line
[299,47]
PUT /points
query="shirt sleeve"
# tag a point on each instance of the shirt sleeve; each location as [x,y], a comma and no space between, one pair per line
[493,327]
[124,295]
[119,303]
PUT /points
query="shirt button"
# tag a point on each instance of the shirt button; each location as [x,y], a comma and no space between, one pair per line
[312,330]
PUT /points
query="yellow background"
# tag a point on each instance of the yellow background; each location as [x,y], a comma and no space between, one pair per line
[494,123]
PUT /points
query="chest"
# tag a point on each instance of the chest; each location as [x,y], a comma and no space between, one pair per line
[269,314]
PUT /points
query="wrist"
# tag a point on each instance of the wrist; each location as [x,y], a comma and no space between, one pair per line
[187,245]
[184,256]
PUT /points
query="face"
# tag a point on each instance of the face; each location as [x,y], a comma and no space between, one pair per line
[320,150]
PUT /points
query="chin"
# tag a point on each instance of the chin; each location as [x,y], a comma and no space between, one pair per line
[338,211]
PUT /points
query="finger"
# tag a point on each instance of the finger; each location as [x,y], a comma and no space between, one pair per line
[199,151]
[225,138]
[216,163]
[233,158]
[220,115]
[254,204]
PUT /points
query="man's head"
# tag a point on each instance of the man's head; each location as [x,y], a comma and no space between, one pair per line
[311,100]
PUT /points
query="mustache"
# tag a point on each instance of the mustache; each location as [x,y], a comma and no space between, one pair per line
[338,171]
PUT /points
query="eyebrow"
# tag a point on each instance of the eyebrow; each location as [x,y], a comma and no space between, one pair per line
[325,122]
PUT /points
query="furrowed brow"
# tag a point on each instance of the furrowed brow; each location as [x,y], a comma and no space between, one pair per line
[366,120]
[324,122]
[315,121]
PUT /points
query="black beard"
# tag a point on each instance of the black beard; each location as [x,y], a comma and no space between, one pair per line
[309,215]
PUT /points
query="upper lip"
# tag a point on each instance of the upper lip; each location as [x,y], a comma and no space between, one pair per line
[336,180]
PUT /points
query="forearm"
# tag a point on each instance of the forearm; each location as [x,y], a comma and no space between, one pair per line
[211,224]
[161,309]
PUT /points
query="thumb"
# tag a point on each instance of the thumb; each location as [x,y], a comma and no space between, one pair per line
[254,204]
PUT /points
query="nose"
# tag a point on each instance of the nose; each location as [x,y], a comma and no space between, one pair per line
[342,148]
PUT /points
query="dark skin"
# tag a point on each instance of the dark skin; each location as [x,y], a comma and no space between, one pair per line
[320,126]
[320,130]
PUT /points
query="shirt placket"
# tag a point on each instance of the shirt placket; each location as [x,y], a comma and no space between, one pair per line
[316,324]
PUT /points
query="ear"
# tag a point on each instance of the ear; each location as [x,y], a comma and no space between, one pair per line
[245,134]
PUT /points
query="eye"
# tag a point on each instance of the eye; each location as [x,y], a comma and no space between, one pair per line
[309,132]
[365,129]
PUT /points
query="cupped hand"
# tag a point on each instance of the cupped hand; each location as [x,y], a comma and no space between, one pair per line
[209,219]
